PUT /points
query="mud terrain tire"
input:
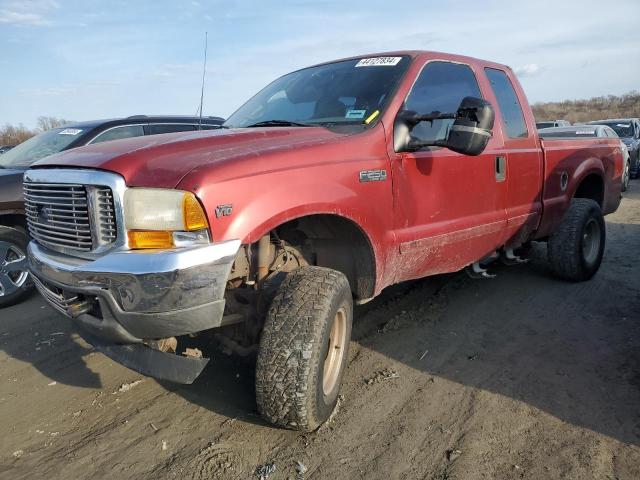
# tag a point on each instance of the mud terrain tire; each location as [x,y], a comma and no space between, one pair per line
[576,248]
[311,312]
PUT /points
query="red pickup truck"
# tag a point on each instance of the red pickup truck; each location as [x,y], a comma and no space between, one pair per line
[332,183]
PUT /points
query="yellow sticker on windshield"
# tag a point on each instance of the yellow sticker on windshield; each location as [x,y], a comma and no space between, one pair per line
[372,117]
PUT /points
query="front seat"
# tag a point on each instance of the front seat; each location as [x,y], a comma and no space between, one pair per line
[330,108]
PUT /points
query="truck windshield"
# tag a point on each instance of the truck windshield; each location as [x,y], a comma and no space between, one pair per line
[40,146]
[351,92]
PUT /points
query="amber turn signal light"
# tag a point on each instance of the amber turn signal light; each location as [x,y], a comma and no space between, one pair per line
[194,216]
[139,239]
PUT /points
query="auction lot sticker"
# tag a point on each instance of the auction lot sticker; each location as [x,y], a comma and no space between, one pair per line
[379,62]
[70,131]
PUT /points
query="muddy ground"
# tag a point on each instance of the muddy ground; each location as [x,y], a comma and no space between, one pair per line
[522,376]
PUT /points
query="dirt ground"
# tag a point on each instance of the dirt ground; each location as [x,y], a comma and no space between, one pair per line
[522,376]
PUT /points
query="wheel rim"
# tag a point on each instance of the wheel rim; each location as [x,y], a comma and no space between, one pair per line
[591,241]
[335,352]
[625,178]
[13,269]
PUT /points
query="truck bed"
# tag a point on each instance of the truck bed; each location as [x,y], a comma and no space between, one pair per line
[564,161]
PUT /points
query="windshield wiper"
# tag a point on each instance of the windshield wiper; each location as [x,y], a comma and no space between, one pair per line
[278,123]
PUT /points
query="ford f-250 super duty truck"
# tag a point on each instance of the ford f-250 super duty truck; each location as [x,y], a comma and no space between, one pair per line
[332,183]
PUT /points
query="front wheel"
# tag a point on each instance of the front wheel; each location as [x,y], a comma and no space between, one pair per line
[14,273]
[304,348]
[576,248]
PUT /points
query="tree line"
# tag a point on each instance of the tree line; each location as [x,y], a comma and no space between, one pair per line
[15,134]
[596,108]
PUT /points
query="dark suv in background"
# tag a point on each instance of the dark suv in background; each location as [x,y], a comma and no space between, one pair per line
[628,129]
[14,277]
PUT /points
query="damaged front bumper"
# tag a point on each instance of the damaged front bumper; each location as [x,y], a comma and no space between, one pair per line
[125,298]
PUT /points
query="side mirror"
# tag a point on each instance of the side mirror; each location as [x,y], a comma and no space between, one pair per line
[469,134]
[472,128]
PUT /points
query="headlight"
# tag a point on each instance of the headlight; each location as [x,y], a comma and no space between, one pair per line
[161,218]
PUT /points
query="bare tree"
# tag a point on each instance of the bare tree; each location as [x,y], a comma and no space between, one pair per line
[13,135]
[597,108]
[47,123]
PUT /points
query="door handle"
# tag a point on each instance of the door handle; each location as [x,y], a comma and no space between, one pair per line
[501,168]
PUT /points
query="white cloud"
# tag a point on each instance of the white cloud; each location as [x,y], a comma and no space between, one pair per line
[528,70]
[30,13]
[17,18]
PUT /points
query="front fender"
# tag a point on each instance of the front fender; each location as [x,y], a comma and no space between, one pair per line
[259,203]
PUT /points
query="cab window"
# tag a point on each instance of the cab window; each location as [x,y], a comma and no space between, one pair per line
[441,86]
[512,115]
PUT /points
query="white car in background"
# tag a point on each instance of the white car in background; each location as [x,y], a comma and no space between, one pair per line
[592,131]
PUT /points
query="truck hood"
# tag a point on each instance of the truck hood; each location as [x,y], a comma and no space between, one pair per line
[161,161]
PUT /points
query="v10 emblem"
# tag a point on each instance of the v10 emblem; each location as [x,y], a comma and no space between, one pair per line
[224,210]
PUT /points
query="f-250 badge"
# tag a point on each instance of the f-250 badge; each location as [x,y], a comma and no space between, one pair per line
[373,176]
[224,210]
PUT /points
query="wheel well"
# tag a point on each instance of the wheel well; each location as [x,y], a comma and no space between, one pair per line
[591,187]
[13,220]
[338,243]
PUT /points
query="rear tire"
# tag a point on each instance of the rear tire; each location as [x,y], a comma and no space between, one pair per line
[304,348]
[15,283]
[576,248]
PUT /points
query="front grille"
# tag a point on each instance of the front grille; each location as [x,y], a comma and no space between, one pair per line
[70,216]
[106,215]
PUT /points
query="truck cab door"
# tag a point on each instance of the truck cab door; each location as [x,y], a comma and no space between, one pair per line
[524,158]
[449,207]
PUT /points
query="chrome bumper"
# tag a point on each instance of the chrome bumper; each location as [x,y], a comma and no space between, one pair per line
[129,296]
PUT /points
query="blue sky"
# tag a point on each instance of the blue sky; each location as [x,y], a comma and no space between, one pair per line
[87,59]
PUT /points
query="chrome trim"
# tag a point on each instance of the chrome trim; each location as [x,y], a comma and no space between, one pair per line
[141,262]
[476,130]
[93,180]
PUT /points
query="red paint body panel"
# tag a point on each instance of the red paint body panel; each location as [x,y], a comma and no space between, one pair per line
[438,211]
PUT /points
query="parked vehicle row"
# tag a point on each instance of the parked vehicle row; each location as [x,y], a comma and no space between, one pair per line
[332,183]
[14,237]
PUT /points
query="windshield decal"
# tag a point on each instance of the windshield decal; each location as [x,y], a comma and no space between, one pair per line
[379,62]
[623,125]
[355,114]
[585,132]
[70,131]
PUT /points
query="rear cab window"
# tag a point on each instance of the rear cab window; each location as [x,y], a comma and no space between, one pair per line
[510,108]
